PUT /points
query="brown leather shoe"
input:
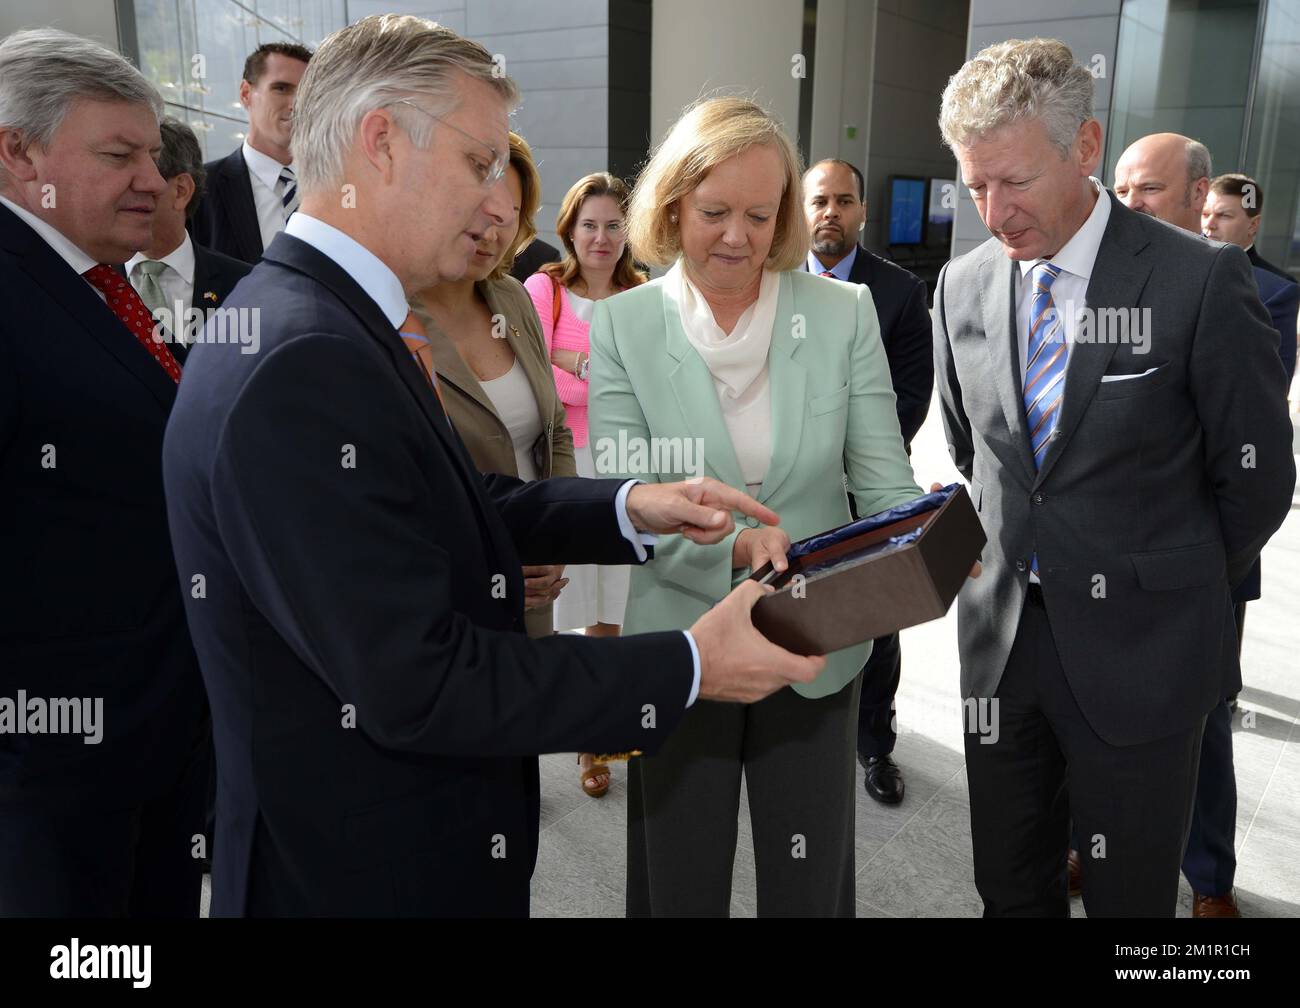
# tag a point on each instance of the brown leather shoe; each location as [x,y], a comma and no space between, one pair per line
[1215,906]
[1076,873]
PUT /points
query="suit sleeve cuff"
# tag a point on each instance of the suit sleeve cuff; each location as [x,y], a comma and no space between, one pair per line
[639,540]
[695,658]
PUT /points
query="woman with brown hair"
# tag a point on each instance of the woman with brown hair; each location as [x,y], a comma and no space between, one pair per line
[597,264]
[482,340]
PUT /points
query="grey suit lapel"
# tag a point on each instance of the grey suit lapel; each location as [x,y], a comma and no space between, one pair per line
[1118,277]
[997,297]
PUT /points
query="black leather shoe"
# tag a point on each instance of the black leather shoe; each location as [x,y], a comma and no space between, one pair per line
[884,780]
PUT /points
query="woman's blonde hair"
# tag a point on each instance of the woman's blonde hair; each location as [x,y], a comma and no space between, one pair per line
[568,269]
[710,132]
[530,198]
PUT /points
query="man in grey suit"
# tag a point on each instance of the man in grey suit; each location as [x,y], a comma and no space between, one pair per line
[1112,395]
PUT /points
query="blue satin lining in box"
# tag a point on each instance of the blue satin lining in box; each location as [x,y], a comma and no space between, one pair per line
[920,505]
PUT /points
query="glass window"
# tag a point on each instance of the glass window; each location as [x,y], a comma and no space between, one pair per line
[1273,151]
[1183,66]
[194,52]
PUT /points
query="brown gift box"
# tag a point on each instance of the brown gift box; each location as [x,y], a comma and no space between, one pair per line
[867,587]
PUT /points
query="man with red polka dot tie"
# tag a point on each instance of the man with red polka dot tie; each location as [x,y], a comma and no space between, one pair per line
[101,806]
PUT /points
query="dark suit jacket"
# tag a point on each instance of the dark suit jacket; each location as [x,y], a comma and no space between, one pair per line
[376,703]
[89,600]
[215,274]
[905,330]
[226,218]
[534,257]
[1281,297]
[1157,492]
[1259,261]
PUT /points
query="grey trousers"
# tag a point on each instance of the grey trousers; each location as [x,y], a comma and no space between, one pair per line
[798,758]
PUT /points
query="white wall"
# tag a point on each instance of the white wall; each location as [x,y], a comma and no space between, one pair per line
[743,46]
[96,19]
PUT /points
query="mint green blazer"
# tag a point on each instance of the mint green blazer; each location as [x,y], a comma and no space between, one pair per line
[834,428]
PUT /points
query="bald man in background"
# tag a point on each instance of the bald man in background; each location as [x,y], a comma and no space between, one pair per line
[1167,176]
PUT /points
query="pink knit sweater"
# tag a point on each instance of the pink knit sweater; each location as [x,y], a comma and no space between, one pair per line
[570,333]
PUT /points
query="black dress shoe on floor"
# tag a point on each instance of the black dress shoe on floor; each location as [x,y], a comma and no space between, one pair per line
[884,780]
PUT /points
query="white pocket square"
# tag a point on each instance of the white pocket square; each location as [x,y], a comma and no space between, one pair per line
[1128,377]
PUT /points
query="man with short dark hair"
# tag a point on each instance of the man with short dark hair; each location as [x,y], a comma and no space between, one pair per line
[836,211]
[253,190]
[1232,214]
[175,273]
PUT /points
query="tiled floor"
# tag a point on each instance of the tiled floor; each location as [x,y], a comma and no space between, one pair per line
[915,860]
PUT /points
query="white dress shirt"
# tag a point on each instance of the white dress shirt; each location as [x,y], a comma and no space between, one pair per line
[1069,291]
[264,174]
[381,283]
[60,243]
[841,269]
[177,281]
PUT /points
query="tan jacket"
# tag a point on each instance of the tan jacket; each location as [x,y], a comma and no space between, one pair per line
[471,412]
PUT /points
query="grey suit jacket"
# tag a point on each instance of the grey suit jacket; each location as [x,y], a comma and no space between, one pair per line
[1156,493]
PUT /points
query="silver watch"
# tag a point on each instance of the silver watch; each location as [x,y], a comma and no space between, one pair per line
[584,367]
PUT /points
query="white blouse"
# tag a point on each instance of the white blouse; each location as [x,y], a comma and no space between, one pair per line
[738,363]
[512,397]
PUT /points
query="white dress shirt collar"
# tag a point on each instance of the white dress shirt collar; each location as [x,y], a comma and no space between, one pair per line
[265,168]
[62,245]
[841,269]
[181,259]
[357,261]
[1079,254]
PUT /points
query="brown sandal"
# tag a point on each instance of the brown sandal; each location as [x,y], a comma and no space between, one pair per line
[591,773]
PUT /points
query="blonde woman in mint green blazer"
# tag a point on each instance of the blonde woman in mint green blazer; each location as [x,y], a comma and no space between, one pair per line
[720,201]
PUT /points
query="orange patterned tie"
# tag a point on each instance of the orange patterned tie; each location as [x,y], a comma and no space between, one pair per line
[417,341]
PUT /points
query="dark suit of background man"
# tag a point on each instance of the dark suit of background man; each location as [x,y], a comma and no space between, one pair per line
[1125,482]
[252,191]
[175,274]
[377,704]
[833,204]
[175,268]
[90,606]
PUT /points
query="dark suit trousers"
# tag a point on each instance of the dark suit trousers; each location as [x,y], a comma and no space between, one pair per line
[797,758]
[66,858]
[1210,863]
[1131,804]
[877,732]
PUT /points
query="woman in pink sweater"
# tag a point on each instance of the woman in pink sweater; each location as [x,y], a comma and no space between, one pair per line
[597,264]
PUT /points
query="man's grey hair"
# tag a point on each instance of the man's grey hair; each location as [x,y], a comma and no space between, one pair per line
[1014,80]
[44,70]
[1198,161]
[182,155]
[373,64]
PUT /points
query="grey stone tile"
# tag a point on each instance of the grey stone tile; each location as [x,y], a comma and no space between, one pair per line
[926,871]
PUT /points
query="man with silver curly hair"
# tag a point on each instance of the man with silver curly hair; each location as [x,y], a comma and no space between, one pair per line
[1113,397]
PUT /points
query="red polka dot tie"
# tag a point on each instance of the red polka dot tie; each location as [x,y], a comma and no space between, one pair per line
[827,273]
[127,306]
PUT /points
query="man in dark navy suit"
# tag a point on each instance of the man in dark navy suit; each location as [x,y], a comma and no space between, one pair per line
[833,203]
[1167,175]
[101,818]
[175,273]
[377,706]
[253,190]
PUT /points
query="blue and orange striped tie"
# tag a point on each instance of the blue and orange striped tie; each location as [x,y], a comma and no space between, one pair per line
[1046,357]
[1045,361]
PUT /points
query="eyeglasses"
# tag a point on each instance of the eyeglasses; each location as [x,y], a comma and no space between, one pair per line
[488,176]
